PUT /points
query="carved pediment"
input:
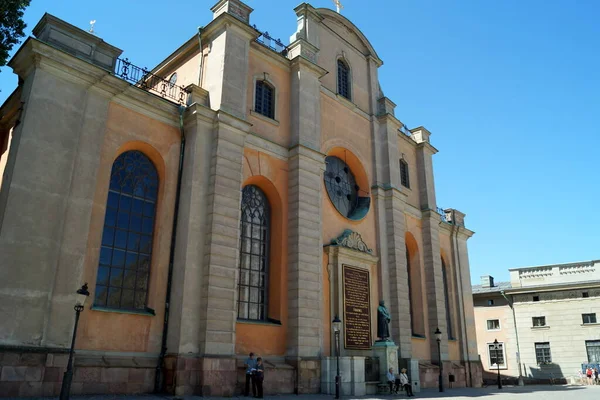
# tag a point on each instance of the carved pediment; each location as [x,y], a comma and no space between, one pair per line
[351,240]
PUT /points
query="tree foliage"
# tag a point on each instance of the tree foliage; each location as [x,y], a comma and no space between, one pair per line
[11,25]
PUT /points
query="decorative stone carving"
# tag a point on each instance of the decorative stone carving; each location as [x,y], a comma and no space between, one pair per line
[535,273]
[352,240]
[577,268]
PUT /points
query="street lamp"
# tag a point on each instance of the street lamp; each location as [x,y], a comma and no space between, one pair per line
[438,338]
[497,348]
[337,325]
[82,295]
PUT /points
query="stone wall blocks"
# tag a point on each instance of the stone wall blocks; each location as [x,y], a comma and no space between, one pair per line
[34,374]
[30,389]
[112,375]
[87,374]
[13,374]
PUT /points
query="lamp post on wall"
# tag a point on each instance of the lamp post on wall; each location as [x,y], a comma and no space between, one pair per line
[438,338]
[337,325]
[82,295]
[497,349]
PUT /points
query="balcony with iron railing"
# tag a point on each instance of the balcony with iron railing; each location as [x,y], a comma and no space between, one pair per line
[144,79]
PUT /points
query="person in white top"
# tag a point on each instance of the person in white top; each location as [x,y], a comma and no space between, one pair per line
[406,383]
[392,381]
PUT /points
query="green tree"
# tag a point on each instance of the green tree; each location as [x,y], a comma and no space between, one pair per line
[11,25]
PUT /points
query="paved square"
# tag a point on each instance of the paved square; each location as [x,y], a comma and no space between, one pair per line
[489,393]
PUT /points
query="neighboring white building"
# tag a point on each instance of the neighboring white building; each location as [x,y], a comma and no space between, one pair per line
[556,310]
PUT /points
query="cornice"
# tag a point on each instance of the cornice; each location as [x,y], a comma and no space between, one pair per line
[301,150]
[388,118]
[37,54]
[408,139]
[427,146]
[225,118]
[256,142]
[269,55]
[347,103]
[225,21]
[300,61]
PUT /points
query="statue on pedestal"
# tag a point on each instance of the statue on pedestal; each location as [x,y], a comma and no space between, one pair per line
[383,320]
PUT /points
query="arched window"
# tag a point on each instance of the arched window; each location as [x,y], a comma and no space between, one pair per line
[447,301]
[126,250]
[404,180]
[410,293]
[264,102]
[254,254]
[343,79]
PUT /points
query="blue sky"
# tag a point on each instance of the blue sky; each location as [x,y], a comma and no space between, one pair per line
[509,89]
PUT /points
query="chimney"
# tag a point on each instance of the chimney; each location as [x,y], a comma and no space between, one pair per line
[487,281]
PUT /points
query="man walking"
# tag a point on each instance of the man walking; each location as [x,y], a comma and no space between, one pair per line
[250,365]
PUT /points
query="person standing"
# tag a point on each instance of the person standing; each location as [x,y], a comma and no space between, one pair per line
[406,383]
[588,374]
[250,365]
[259,377]
[595,376]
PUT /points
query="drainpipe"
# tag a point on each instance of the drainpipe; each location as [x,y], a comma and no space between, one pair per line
[511,305]
[159,380]
[200,65]
[462,303]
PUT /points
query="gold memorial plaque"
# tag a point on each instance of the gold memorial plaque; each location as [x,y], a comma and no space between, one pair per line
[357,308]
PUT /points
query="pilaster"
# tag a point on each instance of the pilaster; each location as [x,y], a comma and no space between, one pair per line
[305,242]
[434,282]
[47,197]
[221,254]
[185,333]
[226,74]
[431,242]
[393,272]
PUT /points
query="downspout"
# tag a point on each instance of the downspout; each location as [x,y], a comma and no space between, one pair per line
[201,63]
[462,302]
[511,305]
[159,378]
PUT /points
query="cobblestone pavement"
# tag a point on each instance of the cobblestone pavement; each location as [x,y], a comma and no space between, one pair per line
[556,392]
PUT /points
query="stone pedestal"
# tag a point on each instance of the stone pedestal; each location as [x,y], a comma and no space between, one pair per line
[352,372]
[387,352]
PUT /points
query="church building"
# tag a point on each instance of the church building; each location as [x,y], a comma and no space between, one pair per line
[236,198]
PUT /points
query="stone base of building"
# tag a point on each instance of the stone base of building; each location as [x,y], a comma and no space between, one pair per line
[226,376]
[455,374]
[32,372]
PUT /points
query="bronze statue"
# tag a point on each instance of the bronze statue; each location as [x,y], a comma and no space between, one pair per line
[383,319]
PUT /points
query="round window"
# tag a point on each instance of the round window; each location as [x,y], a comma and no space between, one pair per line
[342,189]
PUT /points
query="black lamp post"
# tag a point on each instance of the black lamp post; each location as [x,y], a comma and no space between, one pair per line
[438,338]
[82,295]
[497,348]
[337,325]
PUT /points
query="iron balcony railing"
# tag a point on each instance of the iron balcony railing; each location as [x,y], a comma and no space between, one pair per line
[404,129]
[268,41]
[146,80]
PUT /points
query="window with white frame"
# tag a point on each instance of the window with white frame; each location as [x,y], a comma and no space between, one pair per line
[496,355]
[538,321]
[493,324]
[542,353]
[589,318]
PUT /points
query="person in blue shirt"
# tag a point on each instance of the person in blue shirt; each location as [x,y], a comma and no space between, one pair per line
[250,365]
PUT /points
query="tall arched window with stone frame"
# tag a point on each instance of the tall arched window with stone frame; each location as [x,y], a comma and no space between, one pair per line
[126,247]
[254,255]
[344,84]
[447,301]
[264,99]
